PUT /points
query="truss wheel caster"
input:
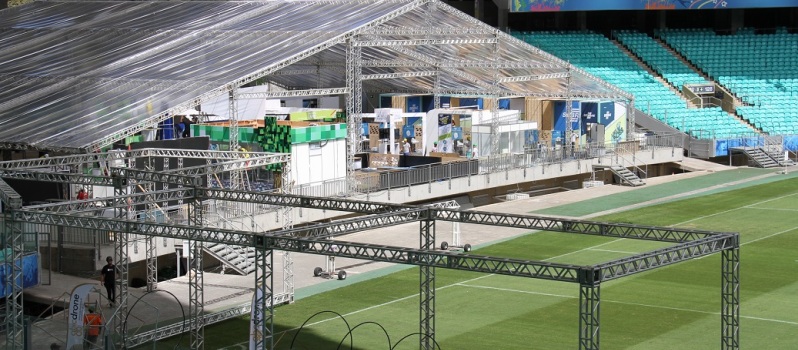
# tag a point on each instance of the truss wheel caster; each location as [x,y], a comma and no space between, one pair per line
[444,245]
[341,275]
[317,272]
[467,248]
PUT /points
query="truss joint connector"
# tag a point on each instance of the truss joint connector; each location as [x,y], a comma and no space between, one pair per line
[589,276]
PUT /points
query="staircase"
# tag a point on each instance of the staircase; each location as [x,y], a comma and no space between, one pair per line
[774,147]
[626,176]
[239,259]
[759,156]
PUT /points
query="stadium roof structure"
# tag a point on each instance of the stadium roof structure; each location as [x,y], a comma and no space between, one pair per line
[78,76]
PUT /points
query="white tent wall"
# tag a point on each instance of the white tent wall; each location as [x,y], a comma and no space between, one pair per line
[318,161]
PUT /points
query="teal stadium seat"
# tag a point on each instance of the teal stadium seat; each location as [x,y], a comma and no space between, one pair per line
[760,69]
[599,56]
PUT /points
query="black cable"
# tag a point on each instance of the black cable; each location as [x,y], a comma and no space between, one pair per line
[349,334]
[351,345]
[182,333]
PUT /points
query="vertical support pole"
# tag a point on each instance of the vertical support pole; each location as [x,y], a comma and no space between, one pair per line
[264,301]
[589,302]
[235,175]
[123,211]
[494,122]
[150,241]
[630,120]
[195,276]
[288,223]
[354,107]
[569,128]
[730,299]
[589,306]
[13,318]
[427,286]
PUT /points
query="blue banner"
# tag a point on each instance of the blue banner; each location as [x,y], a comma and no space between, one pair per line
[471,102]
[722,146]
[791,143]
[408,132]
[30,273]
[606,113]
[596,5]
[413,104]
[589,115]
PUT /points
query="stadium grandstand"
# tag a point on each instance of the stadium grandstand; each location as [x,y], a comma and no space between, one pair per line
[742,51]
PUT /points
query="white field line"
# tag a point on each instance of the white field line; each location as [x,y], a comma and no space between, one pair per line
[437,289]
[776,209]
[733,209]
[555,257]
[614,251]
[622,303]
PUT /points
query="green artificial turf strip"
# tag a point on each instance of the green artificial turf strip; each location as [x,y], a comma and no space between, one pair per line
[671,307]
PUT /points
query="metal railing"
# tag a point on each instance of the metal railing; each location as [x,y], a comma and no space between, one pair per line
[378,180]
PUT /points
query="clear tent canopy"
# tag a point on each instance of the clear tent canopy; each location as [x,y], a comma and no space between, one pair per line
[78,76]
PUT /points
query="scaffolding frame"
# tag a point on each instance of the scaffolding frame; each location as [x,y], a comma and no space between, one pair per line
[315,239]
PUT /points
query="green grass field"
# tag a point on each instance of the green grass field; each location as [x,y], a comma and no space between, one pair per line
[672,307]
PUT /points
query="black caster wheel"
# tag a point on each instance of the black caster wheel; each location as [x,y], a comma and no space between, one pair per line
[444,246]
[341,275]
[467,248]
[317,272]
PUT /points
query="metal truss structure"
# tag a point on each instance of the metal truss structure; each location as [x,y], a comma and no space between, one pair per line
[456,52]
[315,239]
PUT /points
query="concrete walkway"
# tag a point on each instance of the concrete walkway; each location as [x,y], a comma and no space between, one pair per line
[222,292]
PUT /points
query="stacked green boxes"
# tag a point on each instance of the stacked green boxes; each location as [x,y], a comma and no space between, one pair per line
[318,133]
[274,138]
[222,133]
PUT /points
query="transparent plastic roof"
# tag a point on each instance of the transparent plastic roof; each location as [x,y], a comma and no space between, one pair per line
[81,75]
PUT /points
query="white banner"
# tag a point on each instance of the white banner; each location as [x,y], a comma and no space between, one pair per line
[255,317]
[76,310]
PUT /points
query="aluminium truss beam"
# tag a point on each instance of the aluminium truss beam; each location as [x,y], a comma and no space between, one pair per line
[666,256]
[652,233]
[408,63]
[95,205]
[163,332]
[419,42]
[427,288]
[293,200]
[522,78]
[398,75]
[295,93]
[196,284]
[213,93]
[429,31]
[730,299]
[12,236]
[319,246]
[430,60]
[589,316]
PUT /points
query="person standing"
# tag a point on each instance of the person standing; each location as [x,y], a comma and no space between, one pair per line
[108,279]
[186,127]
[406,148]
[474,151]
[93,323]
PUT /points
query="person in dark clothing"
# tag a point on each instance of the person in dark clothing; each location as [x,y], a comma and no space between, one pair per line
[186,127]
[108,279]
